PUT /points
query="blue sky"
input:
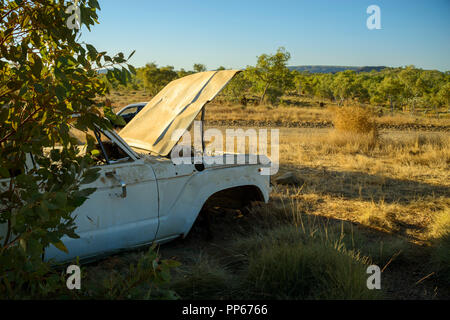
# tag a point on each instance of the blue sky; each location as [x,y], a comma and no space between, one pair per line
[232,33]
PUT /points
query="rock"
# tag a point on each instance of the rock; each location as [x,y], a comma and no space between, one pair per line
[289,179]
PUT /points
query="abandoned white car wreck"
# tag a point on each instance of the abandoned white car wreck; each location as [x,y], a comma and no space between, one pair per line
[142,196]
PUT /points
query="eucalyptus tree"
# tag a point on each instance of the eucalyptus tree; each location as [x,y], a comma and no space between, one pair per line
[49,83]
[271,76]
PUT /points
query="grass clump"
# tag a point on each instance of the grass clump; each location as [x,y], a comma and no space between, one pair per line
[303,262]
[440,233]
[308,271]
[204,279]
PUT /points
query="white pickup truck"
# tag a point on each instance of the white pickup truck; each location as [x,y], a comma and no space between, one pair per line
[141,196]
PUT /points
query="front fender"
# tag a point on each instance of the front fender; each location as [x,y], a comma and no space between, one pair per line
[181,216]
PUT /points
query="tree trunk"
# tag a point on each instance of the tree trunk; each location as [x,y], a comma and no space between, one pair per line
[392,105]
[264,94]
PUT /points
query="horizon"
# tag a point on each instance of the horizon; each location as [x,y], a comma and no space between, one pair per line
[323,33]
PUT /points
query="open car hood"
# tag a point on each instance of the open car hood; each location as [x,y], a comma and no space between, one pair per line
[165,118]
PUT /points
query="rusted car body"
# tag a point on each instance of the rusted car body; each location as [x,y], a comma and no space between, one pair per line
[141,196]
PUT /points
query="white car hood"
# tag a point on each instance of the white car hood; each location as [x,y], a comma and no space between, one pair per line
[162,122]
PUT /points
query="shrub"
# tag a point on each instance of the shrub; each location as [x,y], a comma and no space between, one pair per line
[308,271]
[354,119]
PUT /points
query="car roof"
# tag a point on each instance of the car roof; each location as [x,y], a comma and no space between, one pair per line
[133,105]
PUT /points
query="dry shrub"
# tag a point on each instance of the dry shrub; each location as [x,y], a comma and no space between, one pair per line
[355,127]
[354,119]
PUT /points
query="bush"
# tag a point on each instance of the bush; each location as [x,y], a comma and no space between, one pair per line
[308,261]
[354,119]
[308,271]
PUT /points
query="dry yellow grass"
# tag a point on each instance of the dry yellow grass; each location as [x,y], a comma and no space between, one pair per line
[396,185]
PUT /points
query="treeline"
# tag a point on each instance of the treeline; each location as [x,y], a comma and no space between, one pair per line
[406,88]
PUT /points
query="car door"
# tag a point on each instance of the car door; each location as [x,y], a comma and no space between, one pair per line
[122,213]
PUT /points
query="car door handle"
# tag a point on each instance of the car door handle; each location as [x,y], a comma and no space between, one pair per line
[112,174]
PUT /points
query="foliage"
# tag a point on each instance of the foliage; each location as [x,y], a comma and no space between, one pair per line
[343,85]
[397,87]
[271,76]
[308,271]
[145,280]
[198,67]
[155,78]
[236,89]
[49,82]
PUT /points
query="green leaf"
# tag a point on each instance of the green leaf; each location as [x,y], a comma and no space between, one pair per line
[94,4]
[114,118]
[60,199]
[39,88]
[60,92]
[90,176]
[37,67]
[131,54]
[132,69]
[4,173]
[60,245]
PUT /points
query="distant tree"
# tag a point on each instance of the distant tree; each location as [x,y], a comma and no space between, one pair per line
[390,90]
[221,68]
[361,87]
[271,76]
[322,85]
[343,85]
[198,67]
[237,87]
[182,73]
[429,84]
[444,95]
[157,78]
[303,82]
[411,90]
